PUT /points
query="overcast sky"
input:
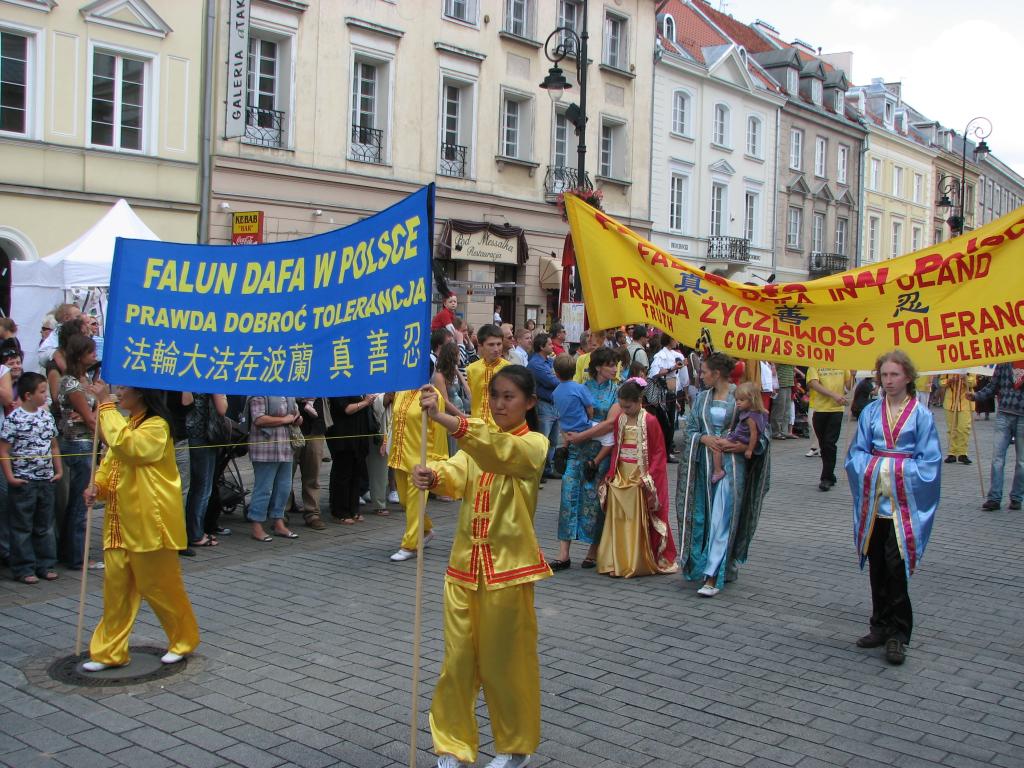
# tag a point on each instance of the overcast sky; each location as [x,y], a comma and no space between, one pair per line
[957,60]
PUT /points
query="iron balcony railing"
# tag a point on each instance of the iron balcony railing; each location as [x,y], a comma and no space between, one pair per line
[453,160]
[264,127]
[722,248]
[827,263]
[367,144]
[560,178]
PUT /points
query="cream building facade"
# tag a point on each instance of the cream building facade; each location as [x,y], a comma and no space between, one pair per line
[349,107]
[101,101]
[714,160]
[899,176]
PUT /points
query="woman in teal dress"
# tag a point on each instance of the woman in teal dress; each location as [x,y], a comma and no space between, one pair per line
[580,517]
[717,520]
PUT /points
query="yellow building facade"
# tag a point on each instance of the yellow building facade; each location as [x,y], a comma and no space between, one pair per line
[102,101]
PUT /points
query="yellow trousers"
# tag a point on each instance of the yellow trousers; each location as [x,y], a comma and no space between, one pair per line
[128,577]
[409,496]
[490,639]
[959,424]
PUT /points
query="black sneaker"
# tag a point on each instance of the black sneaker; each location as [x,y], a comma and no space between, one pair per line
[951,459]
[992,506]
[824,485]
[895,651]
[560,565]
[964,460]
[1014,503]
[872,639]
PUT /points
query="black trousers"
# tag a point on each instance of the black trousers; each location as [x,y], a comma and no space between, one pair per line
[348,471]
[891,614]
[827,427]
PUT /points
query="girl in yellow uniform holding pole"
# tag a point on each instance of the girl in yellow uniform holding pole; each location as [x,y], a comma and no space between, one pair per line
[143,528]
[490,628]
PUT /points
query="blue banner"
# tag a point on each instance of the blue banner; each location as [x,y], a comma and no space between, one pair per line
[343,313]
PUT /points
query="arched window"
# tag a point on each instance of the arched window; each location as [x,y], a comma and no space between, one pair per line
[754,136]
[720,129]
[668,28]
[680,112]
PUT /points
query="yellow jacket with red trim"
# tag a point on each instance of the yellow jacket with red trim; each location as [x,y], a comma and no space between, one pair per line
[139,480]
[496,474]
[478,376]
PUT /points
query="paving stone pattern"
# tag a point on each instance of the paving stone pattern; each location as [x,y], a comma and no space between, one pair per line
[306,652]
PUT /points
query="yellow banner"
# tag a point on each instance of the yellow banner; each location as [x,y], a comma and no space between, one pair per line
[957,304]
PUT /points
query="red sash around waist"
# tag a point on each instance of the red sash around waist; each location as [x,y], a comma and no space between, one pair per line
[892,454]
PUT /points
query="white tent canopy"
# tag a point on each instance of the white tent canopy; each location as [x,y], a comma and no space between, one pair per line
[38,286]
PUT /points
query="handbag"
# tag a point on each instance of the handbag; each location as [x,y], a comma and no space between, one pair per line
[655,392]
[295,436]
[218,429]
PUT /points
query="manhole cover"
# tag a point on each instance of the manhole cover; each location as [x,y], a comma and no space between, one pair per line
[144,668]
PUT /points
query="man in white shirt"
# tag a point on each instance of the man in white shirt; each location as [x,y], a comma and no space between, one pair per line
[48,346]
[518,354]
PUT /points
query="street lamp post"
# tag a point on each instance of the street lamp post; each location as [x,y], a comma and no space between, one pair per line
[564,43]
[980,128]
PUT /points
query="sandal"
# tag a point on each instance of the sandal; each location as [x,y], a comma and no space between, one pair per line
[206,541]
[588,563]
[382,512]
[358,518]
[286,535]
[28,579]
[50,576]
[265,540]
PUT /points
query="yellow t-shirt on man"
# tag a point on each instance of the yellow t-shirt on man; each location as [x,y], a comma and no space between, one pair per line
[832,379]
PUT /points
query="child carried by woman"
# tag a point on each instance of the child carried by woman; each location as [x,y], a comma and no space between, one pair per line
[751,423]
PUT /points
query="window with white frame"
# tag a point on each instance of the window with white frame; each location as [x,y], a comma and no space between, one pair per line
[842,163]
[613,150]
[570,14]
[15,82]
[516,126]
[840,104]
[792,81]
[818,232]
[668,27]
[796,149]
[560,140]
[816,91]
[720,126]
[117,114]
[897,239]
[875,177]
[874,233]
[457,119]
[462,10]
[267,94]
[678,201]
[820,156]
[916,238]
[615,40]
[937,236]
[751,215]
[754,136]
[370,109]
[889,111]
[842,227]
[794,225]
[719,208]
[918,191]
[519,16]
[680,112]
[897,181]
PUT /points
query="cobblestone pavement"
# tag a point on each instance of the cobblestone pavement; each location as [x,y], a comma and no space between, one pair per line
[306,651]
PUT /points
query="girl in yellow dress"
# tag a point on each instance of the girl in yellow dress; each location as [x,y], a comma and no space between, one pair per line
[490,628]
[143,528]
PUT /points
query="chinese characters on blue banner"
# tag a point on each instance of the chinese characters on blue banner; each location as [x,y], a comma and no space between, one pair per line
[346,312]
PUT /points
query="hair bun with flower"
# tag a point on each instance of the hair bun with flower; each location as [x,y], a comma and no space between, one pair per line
[640,382]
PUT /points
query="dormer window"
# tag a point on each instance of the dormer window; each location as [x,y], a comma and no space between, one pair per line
[792,81]
[668,27]
[889,109]
[840,103]
[816,92]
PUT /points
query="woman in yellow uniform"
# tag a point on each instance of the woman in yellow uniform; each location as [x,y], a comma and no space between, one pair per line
[143,528]
[490,628]
[404,455]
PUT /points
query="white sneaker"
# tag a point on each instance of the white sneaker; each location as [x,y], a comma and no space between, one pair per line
[428,538]
[403,554]
[813,452]
[393,499]
[449,761]
[171,658]
[707,591]
[95,666]
[364,499]
[509,761]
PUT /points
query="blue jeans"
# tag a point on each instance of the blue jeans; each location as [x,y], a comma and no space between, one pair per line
[77,456]
[33,546]
[272,482]
[202,463]
[1007,424]
[547,420]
